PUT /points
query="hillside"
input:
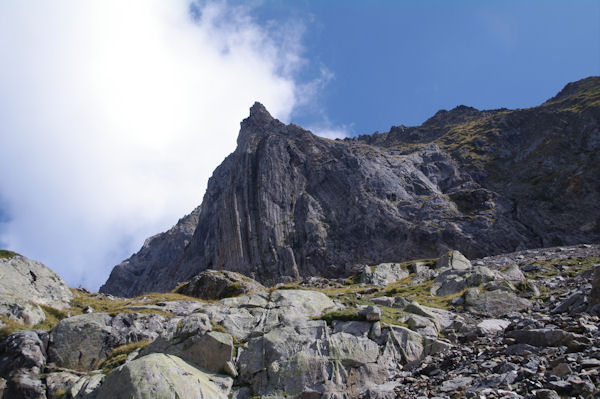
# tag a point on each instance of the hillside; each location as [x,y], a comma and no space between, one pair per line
[287,204]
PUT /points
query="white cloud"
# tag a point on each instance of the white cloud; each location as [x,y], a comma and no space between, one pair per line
[114,114]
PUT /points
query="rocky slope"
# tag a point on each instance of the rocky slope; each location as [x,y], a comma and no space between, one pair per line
[287,204]
[518,325]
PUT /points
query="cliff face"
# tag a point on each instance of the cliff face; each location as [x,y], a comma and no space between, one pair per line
[288,204]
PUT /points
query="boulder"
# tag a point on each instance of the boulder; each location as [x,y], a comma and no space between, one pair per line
[159,376]
[492,326]
[213,284]
[59,382]
[383,274]
[22,360]
[21,310]
[494,303]
[454,281]
[210,350]
[83,342]
[26,278]
[549,337]
[453,260]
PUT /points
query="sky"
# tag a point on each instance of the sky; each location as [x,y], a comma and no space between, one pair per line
[114,114]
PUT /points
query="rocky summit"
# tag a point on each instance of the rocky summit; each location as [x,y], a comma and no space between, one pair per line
[515,325]
[287,204]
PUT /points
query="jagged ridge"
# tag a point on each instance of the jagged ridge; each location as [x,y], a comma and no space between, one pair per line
[288,204]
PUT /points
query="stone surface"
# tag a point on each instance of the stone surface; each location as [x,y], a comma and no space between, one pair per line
[495,303]
[213,284]
[492,326]
[481,182]
[21,310]
[22,361]
[83,342]
[27,279]
[158,376]
[453,260]
[383,274]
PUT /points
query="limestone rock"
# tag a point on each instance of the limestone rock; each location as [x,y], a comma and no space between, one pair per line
[25,278]
[21,310]
[58,382]
[495,303]
[83,342]
[383,274]
[213,284]
[158,376]
[492,326]
[453,260]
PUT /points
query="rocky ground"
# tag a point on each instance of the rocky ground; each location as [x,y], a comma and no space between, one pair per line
[522,325]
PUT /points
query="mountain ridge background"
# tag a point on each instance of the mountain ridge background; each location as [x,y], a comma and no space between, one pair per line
[287,204]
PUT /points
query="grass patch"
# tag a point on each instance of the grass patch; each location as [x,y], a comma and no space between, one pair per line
[348,314]
[6,254]
[119,355]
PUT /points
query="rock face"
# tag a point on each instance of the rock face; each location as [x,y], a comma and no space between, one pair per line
[212,284]
[130,277]
[287,204]
[31,280]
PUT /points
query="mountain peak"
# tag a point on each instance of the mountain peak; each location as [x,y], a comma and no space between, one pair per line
[258,122]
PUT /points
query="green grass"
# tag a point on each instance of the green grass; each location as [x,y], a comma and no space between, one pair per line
[6,254]
[118,356]
[348,314]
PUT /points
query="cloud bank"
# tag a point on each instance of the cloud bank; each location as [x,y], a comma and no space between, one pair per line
[114,114]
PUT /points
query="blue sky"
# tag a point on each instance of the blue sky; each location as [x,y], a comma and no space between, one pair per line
[398,62]
[114,114]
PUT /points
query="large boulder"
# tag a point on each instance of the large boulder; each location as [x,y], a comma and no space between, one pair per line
[453,260]
[21,310]
[26,278]
[159,376]
[494,303]
[452,281]
[306,361]
[22,360]
[193,341]
[213,284]
[383,274]
[83,342]
[549,337]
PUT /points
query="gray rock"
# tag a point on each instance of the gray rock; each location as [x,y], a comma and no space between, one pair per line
[159,376]
[371,313]
[494,303]
[83,342]
[512,273]
[85,387]
[546,394]
[209,350]
[21,310]
[213,284]
[22,360]
[453,260]
[549,337]
[456,384]
[492,326]
[59,382]
[383,274]
[25,278]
